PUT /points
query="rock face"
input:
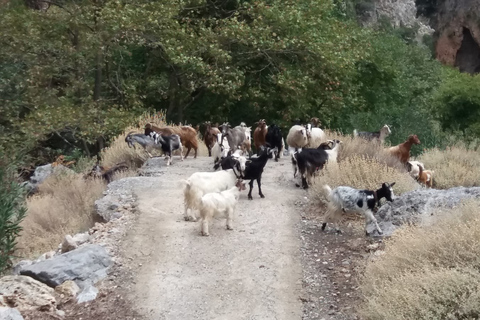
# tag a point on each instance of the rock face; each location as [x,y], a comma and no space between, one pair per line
[117,200]
[10,314]
[43,172]
[85,265]
[26,294]
[458,31]
[419,206]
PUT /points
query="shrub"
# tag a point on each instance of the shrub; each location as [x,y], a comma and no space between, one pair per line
[12,212]
[427,273]
[455,166]
[64,205]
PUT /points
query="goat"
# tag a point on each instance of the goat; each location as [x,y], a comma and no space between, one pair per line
[235,136]
[297,138]
[168,145]
[259,134]
[316,137]
[425,177]
[247,144]
[210,137]
[315,122]
[308,161]
[201,183]
[229,161]
[273,139]
[370,136]
[347,199]
[106,173]
[413,167]
[143,140]
[220,203]
[254,170]
[243,125]
[220,150]
[188,135]
[402,151]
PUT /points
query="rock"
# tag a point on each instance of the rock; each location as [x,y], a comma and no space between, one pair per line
[106,206]
[419,206]
[81,238]
[43,172]
[372,247]
[68,244]
[87,264]
[60,313]
[88,294]
[20,265]
[10,314]
[26,294]
[66,291]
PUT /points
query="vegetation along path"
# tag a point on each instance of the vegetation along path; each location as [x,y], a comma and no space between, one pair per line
[252,272]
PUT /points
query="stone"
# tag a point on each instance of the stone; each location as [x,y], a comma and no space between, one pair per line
[26,294]
[60,313]
[10,314]
[87,264]
[20,265]
[419,207]
[88,294]
[68,244]
[43,172]
[66,291]
[81,238]
[106,206]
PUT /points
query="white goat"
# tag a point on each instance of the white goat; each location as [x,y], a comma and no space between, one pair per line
[414,168]
[220,150]
[220,203]
[297,138]
[333,153]
[317,136]
[201,183]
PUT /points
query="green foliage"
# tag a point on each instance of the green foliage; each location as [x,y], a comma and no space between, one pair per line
[457,103]
[12,211]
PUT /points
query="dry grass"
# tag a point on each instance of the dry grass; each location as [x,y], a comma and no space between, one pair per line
[64,205]
[455,166]
[357,146]
[427,273]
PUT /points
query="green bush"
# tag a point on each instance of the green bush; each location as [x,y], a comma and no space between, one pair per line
[12,212]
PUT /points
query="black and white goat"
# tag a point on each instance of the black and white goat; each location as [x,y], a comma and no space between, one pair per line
[308,161]
[273,139]
[145,141]
[349,200]
[254,170]
[168,144]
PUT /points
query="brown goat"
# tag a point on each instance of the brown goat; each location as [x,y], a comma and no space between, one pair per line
[425,177]
[402,151]
[259,134]
[106,173]
[210,136]
[187,134]
[315,122]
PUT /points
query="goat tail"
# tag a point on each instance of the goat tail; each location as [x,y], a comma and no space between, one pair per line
[355,133]
[327,190]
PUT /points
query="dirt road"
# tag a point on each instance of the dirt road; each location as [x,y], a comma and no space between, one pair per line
[252,272]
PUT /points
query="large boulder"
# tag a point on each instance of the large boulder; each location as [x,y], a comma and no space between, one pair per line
[26,294]
[85,265]
[43,172]
[10,314]
[419,207]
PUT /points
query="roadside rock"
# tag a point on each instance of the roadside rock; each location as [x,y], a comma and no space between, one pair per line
[81,238]
[68,244]
[419,206]
[20,265]
[25,293]
[118,198]
[87,264]
[66,291]
[10,314]
[43,172]
[88,294]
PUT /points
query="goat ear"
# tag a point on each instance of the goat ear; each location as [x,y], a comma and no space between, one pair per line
[392,184]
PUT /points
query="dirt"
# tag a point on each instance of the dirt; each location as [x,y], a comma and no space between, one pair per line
[275,264]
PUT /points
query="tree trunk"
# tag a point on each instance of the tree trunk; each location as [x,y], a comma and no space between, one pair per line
[98,76]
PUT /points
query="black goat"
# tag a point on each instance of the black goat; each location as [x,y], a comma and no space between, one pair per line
[254,170]
[273,139]
[168,144]
[308,161]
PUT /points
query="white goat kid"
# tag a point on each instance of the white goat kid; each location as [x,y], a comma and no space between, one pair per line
[201,183]
[220,150]
[220,203]
[350,200]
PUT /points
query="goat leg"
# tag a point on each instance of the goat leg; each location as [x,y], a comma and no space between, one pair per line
[229,219]
[370,217]
[188,151]
[205,227]
[251,188]
[259,182]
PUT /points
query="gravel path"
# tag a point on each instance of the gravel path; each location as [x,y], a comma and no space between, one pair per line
[252,272]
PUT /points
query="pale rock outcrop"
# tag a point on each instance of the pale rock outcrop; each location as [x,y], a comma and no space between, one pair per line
[10,314]
[26,294]
[66,291]
[68,244]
